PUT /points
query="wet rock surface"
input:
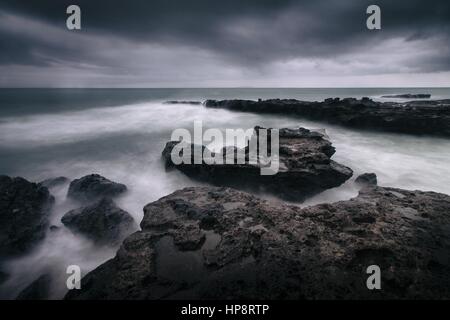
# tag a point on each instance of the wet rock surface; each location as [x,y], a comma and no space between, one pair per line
[367,179]
[103,222]
[37,290]
[256,249]
[93,187]
[24,213]
[305,167]
[415,117]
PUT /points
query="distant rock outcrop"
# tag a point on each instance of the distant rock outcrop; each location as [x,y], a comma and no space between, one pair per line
[305,167]
[93,187]
[256,249]
[430,117]
[409,96]
[102,221]
[183,102]
[24,213]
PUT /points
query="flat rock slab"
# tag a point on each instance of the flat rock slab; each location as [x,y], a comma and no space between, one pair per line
[409,96]
[256,249]
[183,102]
[415,117]
[305,167]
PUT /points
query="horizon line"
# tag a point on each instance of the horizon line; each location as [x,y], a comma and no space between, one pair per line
[406,87]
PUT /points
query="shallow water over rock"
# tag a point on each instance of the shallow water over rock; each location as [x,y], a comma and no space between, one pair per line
[174,264]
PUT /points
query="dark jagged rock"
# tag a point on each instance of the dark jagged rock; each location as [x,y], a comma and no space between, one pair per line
[24,213]
[53,182]
[102,221]
[93,187]
[409,96]
[414,117]
[305,167]
[37,290]
[367,179]
[183,102]
[263,250]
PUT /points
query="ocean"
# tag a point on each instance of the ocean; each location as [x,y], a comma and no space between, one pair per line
[120,133]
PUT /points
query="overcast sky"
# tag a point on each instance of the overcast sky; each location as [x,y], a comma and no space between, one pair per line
[228,43]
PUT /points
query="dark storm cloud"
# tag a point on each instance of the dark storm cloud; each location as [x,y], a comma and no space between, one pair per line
[248,33]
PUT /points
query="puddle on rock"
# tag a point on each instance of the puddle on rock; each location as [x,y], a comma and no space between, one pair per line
[183,266]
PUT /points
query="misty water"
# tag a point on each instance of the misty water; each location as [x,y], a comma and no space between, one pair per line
[120,134]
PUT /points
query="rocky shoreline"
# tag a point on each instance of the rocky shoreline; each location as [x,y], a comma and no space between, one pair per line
[431,117]
[218,242]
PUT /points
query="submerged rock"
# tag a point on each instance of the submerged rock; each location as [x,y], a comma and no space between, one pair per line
[414,117]
[367,179]
[24,213]
[258,249]
[305,167]
[37,290]
[93,187]
[53,182]
[102,221]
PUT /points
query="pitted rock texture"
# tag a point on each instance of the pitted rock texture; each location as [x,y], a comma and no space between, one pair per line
[305,166]
[257,249]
